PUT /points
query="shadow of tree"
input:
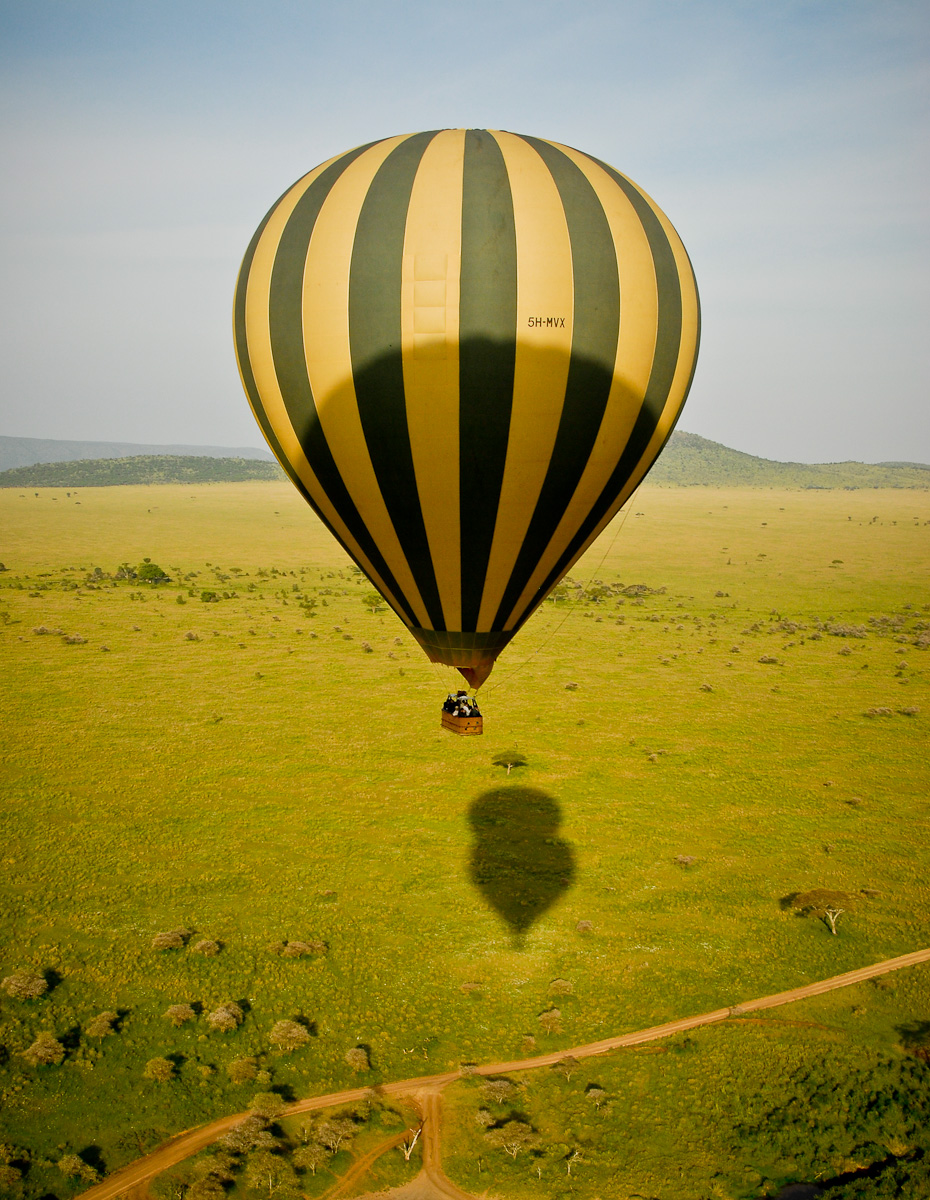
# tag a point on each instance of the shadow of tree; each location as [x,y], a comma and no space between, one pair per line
[518,863]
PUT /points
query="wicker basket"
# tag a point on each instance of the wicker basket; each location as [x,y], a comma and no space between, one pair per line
[463,725]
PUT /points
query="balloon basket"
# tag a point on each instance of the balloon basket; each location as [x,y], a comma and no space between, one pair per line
[462,725]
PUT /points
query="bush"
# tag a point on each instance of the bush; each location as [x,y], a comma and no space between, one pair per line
[226,1018]
[289,1036]
[174,939]
[74,1167]
[25,985]
[102,1026]
[207,947]
[45,1051]
[160,1069]
[177,1014]
[299,949]
[551,1020]
[268,1105]
[357,1059]
[149,572]
[242,1070]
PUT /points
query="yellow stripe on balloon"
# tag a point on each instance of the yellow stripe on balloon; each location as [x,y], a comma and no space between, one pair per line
[632,367]
[545,291]
[325,316]
[429,340]
[261,360]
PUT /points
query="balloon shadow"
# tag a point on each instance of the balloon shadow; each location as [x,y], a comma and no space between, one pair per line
[518,862]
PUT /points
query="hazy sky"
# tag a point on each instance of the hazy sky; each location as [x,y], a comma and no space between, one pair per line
[142,142]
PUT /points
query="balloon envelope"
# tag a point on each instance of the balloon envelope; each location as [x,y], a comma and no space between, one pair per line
[466,348]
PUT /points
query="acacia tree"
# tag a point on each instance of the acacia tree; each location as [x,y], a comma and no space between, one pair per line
[513,1137]
[242,1070]
[177,1014]
[551,1020]
[249,1134]
[310,1157]
[25,985]
[225,1018]
[335,1133]
[289,1036]
[268,1105]
[272,1174]
[497,1090]
[45,1051]
[160,1069]
[102,1025]
[567,1065]
[357,1058]
[74,1167]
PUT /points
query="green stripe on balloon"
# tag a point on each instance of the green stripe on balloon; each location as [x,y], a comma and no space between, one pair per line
[487,350]
[375,278]
[287,344]
[664,364]
[595,330]
[245,364]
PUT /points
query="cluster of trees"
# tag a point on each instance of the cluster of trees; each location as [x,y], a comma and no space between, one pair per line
[260,1156]
[140,469]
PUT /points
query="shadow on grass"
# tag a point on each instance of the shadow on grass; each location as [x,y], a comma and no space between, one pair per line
[518,862]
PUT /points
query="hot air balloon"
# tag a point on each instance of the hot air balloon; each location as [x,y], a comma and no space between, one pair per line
[466,348]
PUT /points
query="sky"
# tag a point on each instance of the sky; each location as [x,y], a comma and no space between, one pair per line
[143,142]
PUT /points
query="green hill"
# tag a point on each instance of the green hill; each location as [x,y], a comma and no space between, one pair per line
[687,461]
[142,468]
[692,461]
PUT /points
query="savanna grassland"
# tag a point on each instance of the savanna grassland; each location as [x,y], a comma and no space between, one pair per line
[731,714]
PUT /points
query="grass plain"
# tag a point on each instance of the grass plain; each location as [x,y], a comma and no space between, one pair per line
[269,766]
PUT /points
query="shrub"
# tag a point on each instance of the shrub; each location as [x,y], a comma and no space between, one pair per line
[226,1018]
[160,1069]
[561,987]
[149,572]
[102,1026]
[268,1105]
[299,949]
[207,947]
[498,1090]
[249,1134]
[551,1020]
[357,1058]
[584,927]
[25,985]
[177,1014]
[242,1070]
[289,1036]
[74,1167]
[174,939]
[45,1051]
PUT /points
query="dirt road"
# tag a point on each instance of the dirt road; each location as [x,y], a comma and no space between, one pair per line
[426,1090]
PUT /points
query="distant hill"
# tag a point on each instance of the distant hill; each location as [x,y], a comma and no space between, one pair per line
[687,461]
[140,468]
[23,452]
[692,461]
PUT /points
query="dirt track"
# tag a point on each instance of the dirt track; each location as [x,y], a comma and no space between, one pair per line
[432,1184]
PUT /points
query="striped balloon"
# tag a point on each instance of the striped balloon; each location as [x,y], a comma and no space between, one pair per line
[466,348]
